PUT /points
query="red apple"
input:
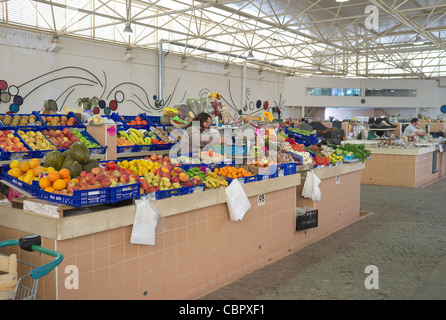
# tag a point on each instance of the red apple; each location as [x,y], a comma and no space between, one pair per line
[124,178]
[84,173]
[117,173]
[96,171]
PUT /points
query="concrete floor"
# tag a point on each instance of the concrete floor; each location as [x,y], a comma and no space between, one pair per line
[403,236]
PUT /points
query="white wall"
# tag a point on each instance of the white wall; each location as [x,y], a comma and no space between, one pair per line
[27,62]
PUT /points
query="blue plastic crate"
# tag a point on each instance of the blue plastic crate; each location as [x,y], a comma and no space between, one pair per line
[298,135]
[152,120]
[70,114]
[80,198]
[17,155]
[38,153]
[243,180]
[86,134]
[29,188]
[20,126]
[163,194]
[289,168]
[124,192]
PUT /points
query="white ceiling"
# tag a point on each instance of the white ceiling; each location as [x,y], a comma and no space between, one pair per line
[295,37]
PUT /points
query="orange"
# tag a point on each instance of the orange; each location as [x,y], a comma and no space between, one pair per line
[66,180]
[14,164]
[34,163]
[64,173]
[49,189]
[49,169]
[44,183]
[16,172]
[59,184]
[24,166]
[53,176]
[38,170]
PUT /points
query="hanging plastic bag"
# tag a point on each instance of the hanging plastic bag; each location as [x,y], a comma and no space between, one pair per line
[316,194]
[147,222]
[237,200]
[311,187]
[307,189]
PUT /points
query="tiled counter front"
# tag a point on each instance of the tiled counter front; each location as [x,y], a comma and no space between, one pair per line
[199,250]
[404,168]
[340,201]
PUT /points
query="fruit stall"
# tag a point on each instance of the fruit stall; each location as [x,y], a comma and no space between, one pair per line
[86,207]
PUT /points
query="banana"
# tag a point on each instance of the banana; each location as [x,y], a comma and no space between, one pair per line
[132,139]
[124,134]
[137,132]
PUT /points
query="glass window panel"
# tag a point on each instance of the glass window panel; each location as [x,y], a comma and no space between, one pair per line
[317,91]
[348,92]
[310,91]
[356,92]
[326,91]
[334,92]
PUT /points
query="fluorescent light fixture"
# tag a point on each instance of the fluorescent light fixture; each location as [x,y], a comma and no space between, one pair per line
[418,41]
[128,28]
[226,69]
[128,55]
[318,70]
[250,55]
[342,0]
[184,63]
[56,46]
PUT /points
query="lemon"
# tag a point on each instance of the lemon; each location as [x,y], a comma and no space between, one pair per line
[14,164]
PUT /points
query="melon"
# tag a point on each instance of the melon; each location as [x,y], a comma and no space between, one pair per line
[80,152]
[53,159]
[92,163]
[74,167]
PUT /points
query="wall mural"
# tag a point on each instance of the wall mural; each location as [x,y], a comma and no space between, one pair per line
[13,96]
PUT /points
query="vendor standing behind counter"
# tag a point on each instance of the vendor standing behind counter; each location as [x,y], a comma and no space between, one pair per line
[206,135]
[412,130]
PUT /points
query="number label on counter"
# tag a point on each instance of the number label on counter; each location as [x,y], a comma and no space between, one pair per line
[338,179]
[261,199]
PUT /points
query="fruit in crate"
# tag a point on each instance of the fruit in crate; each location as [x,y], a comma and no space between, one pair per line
[26,171]
[62,139]
[214,181]
[233,172]
[20,120]
[137,121]
[85,139]
[133,137]
[36,140]
[58,120]
[163,135]
[10,142]
[140,166]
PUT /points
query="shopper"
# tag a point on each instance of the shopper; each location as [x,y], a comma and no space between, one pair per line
[412,129]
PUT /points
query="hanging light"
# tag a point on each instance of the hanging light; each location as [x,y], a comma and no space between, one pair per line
[318,70]
[250,55]
[418,41]
[342,0]
[128,28]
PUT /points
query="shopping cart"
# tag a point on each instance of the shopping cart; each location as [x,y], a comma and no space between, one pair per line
[28,243]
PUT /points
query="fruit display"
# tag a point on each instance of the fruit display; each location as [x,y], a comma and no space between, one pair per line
[62,139]
[19,120]
[321,160]
[140,166]
[130,121]
[85,138]
[334,159]
[234,172]
[75,159]
[58,120]
[213,181]
[133,137]
[95,120]
[36,140]
[10,142]
[26,171]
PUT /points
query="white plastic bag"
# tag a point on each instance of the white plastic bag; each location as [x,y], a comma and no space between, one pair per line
[307,189]
[311,187]
[147,218]
[237,200]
